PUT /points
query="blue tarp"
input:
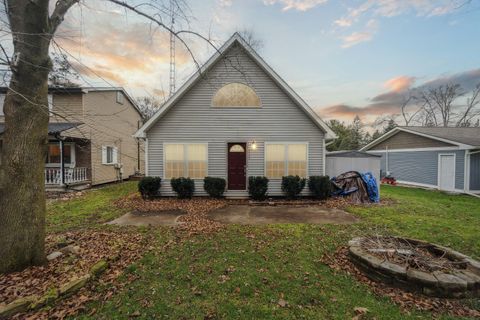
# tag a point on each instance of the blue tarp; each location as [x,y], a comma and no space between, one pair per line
[372,187]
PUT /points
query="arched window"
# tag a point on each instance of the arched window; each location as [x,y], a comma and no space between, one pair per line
[236,95]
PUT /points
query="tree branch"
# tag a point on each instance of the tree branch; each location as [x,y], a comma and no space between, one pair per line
[61,8]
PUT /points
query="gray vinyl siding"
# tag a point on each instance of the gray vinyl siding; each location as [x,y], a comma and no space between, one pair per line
[475,172]
[421,166]
[193,119]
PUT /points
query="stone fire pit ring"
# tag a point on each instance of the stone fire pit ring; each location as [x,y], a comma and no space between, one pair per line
[457,283]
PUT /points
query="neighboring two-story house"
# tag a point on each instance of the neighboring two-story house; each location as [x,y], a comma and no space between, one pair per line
[90,137]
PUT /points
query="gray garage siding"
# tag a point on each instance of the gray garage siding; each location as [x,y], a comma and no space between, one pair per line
[193,119]
[421,166]
[475,171]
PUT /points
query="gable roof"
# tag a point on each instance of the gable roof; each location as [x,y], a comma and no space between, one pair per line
[236,38]
[464,138]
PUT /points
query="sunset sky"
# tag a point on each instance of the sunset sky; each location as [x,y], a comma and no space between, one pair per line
[343,57]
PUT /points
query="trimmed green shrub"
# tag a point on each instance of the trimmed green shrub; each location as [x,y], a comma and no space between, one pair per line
[215,187]
[292,186]
[319,186]
[184,187]
[258,187]
[149,187]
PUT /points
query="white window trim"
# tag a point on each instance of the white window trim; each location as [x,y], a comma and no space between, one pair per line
[454,170]
[307,173]
[185,160]
[72,157]
[236,107]
[2,102]
[114,155]
[119,98]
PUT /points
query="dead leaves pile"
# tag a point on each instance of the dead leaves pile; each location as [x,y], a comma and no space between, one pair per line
[120,249]
[406,300]
[194,222]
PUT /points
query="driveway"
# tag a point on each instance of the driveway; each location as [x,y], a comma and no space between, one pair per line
[162,218]
[244,214]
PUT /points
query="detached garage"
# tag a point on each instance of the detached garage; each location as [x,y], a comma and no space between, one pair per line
[444,158]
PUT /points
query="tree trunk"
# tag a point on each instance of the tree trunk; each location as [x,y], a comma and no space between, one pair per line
[22,186]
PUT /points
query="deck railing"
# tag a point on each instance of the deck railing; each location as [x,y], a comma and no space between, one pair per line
[72,175]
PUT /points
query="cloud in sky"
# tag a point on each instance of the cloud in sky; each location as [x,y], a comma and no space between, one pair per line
[389,102]
[300,5]
[391,8]
[361,36]
[113,50]
[399,84]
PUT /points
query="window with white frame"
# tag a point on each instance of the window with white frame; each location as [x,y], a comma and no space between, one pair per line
[185,160]
[109,155]
[285,159]
[53,154]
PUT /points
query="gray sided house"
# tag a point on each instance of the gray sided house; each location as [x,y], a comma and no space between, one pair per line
[233,119]
[444,158]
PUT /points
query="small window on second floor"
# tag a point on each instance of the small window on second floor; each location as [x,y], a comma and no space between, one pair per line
[120,97]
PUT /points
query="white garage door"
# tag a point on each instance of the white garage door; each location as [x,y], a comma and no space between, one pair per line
[446,172]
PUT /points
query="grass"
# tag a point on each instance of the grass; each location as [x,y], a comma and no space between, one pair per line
[246,272]
[90,210]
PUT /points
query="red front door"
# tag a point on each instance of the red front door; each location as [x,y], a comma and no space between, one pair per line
[237,166]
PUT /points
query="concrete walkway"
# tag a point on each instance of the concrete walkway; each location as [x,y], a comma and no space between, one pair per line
[163,218]
[244,214]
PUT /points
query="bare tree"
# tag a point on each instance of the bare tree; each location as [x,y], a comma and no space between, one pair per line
[148,106]
[471,110]
[22,208]
[252,39]
[439,103]
[445,106]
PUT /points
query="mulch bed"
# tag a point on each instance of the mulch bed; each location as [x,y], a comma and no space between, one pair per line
[120,248]
[407,301]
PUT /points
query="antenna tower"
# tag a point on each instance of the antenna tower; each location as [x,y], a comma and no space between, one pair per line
[172,48]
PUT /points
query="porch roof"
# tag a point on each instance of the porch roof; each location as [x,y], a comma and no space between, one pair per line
[53,128]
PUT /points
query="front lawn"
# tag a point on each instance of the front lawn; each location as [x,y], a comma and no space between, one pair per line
[272,271]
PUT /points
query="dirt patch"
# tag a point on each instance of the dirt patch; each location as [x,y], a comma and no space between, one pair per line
[242,214]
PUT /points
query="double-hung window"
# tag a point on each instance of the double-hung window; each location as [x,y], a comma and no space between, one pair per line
[109,155]
[285,159]
[186,160]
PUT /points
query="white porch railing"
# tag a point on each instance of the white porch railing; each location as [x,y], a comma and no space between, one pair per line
[72,175]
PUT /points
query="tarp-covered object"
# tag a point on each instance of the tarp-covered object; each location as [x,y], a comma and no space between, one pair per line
[359,188]
[372,187]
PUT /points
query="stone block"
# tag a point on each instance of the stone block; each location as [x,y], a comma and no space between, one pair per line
[74,285]
[49,297]
[98,268]
[394,269]
[450,282]
[54,255]
[17,306]
[421,277]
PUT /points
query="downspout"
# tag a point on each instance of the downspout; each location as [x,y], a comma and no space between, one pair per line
[466,190]
[387,173]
